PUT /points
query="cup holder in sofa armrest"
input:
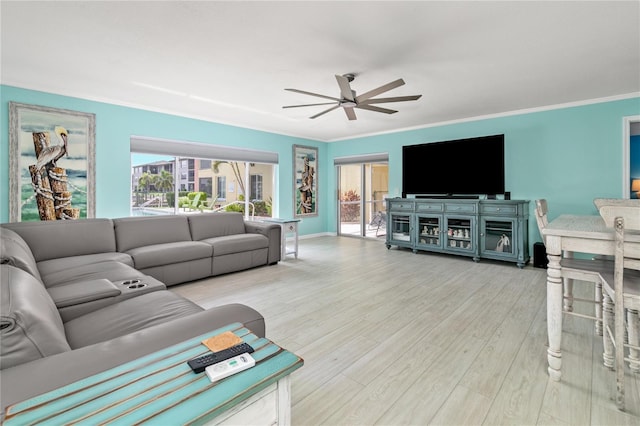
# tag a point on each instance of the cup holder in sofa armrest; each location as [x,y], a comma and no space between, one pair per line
[83,292]
[136,285]
[139,285]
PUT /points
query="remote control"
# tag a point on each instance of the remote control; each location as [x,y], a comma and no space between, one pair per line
[199,364]
[231,366]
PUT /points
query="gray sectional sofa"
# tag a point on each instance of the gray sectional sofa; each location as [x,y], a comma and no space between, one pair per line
[80,297]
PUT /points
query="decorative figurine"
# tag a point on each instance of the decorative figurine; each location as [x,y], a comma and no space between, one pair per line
[503,244]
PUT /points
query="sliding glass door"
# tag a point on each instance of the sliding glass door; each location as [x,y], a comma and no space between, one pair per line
[362,189]
[350,200]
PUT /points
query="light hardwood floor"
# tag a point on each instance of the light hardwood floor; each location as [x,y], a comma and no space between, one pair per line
[390,337]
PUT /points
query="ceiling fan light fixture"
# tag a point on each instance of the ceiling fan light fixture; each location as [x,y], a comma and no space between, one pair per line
[350,77]
[349,101]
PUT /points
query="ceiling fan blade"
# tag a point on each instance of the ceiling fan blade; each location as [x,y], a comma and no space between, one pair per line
[370,94]
[307,105]
[395,99]
[325,111]
[345,88]
[375,108]
[351,114]
[313,94]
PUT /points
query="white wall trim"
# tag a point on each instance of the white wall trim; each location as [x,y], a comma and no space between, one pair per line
[176,113]
[318,234]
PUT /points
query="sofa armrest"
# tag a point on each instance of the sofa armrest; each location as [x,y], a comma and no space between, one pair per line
[82,292]
[78,298]
[273,232]
[18,383]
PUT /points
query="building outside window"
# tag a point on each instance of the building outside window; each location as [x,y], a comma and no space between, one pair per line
[221,187]
[255,189]
[204,185]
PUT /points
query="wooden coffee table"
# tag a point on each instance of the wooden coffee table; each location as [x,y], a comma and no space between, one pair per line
[160,388]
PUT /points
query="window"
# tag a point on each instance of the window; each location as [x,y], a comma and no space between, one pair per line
[255,191]
[221,187]
[198,167]
[204,185]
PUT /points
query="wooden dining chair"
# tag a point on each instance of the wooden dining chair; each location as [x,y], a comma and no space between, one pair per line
[588,270]
[621,296]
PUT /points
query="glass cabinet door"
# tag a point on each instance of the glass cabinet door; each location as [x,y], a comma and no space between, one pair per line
[429,230]
[460,234]
[498,237]
[400,228]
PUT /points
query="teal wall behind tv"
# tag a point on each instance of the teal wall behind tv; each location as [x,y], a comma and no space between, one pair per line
[568,155]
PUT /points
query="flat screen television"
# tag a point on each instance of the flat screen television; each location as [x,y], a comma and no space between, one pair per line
[462,167]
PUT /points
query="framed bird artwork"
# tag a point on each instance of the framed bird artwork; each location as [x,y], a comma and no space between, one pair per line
[51,163]
[305,181]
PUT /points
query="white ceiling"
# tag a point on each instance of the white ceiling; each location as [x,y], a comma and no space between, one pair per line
[230,61]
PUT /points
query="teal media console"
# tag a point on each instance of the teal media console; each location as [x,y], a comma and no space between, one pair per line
[481,229]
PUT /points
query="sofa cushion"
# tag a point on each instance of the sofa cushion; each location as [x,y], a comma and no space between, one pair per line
[212,225]
[169,253]
[82,292]
[233,262]
[50,239]
[15,251]
[30,325]
[51,266]
[178,273]
[126,317]
[237,243]
[110,270]
[132,232]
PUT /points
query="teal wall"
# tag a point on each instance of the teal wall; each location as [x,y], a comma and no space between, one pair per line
[569,156]
[116,124]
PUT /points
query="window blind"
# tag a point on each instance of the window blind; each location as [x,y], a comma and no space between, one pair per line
[147,145]
[381,157]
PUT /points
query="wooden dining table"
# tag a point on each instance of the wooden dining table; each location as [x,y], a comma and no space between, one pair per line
[577,234]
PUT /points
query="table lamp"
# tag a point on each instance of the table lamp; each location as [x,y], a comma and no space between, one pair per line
[635,187]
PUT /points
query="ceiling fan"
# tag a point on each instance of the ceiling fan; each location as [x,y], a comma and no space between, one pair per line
[349,101]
